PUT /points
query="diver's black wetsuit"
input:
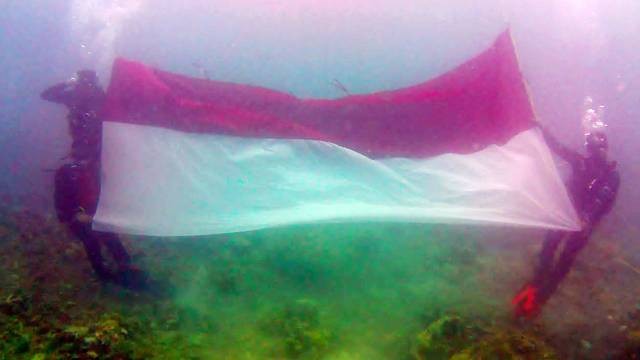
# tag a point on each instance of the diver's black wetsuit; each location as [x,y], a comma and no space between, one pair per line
[593,187]
[77,183]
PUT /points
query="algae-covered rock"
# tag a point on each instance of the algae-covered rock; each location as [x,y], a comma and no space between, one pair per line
[15,338]
[441,339]
[299,326]
[634,338]
[631,348]
[104,340]
[463,355]
[77,331]
[451,337]
[508,343]
[14,304]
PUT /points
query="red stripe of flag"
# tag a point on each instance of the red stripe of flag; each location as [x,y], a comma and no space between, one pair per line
[481,102]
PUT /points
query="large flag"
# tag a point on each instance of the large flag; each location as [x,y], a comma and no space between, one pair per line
[186,156]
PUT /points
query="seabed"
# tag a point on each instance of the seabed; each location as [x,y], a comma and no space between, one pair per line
[358,291]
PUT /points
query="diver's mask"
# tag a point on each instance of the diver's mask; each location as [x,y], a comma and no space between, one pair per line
[83,78]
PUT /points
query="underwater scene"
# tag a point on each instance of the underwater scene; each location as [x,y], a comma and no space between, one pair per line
[357,179]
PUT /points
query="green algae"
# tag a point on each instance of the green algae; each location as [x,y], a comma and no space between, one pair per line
[299,328]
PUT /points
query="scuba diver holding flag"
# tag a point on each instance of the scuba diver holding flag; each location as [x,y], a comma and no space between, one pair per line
[77,183]
[593,187]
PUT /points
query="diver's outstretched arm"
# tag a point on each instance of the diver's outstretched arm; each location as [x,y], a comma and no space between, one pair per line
[59,93]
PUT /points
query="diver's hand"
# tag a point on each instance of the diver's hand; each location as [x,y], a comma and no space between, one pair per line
[82,217]
[585,225]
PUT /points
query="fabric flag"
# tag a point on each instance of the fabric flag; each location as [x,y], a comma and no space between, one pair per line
[186,156]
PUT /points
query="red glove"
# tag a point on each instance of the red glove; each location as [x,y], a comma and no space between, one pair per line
[526,302]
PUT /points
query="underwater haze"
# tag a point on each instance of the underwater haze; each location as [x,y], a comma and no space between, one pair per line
[339,291]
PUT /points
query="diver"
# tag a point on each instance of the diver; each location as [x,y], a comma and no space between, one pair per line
[592,187]
[77,183]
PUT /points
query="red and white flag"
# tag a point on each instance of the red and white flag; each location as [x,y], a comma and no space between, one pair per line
[186,156]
